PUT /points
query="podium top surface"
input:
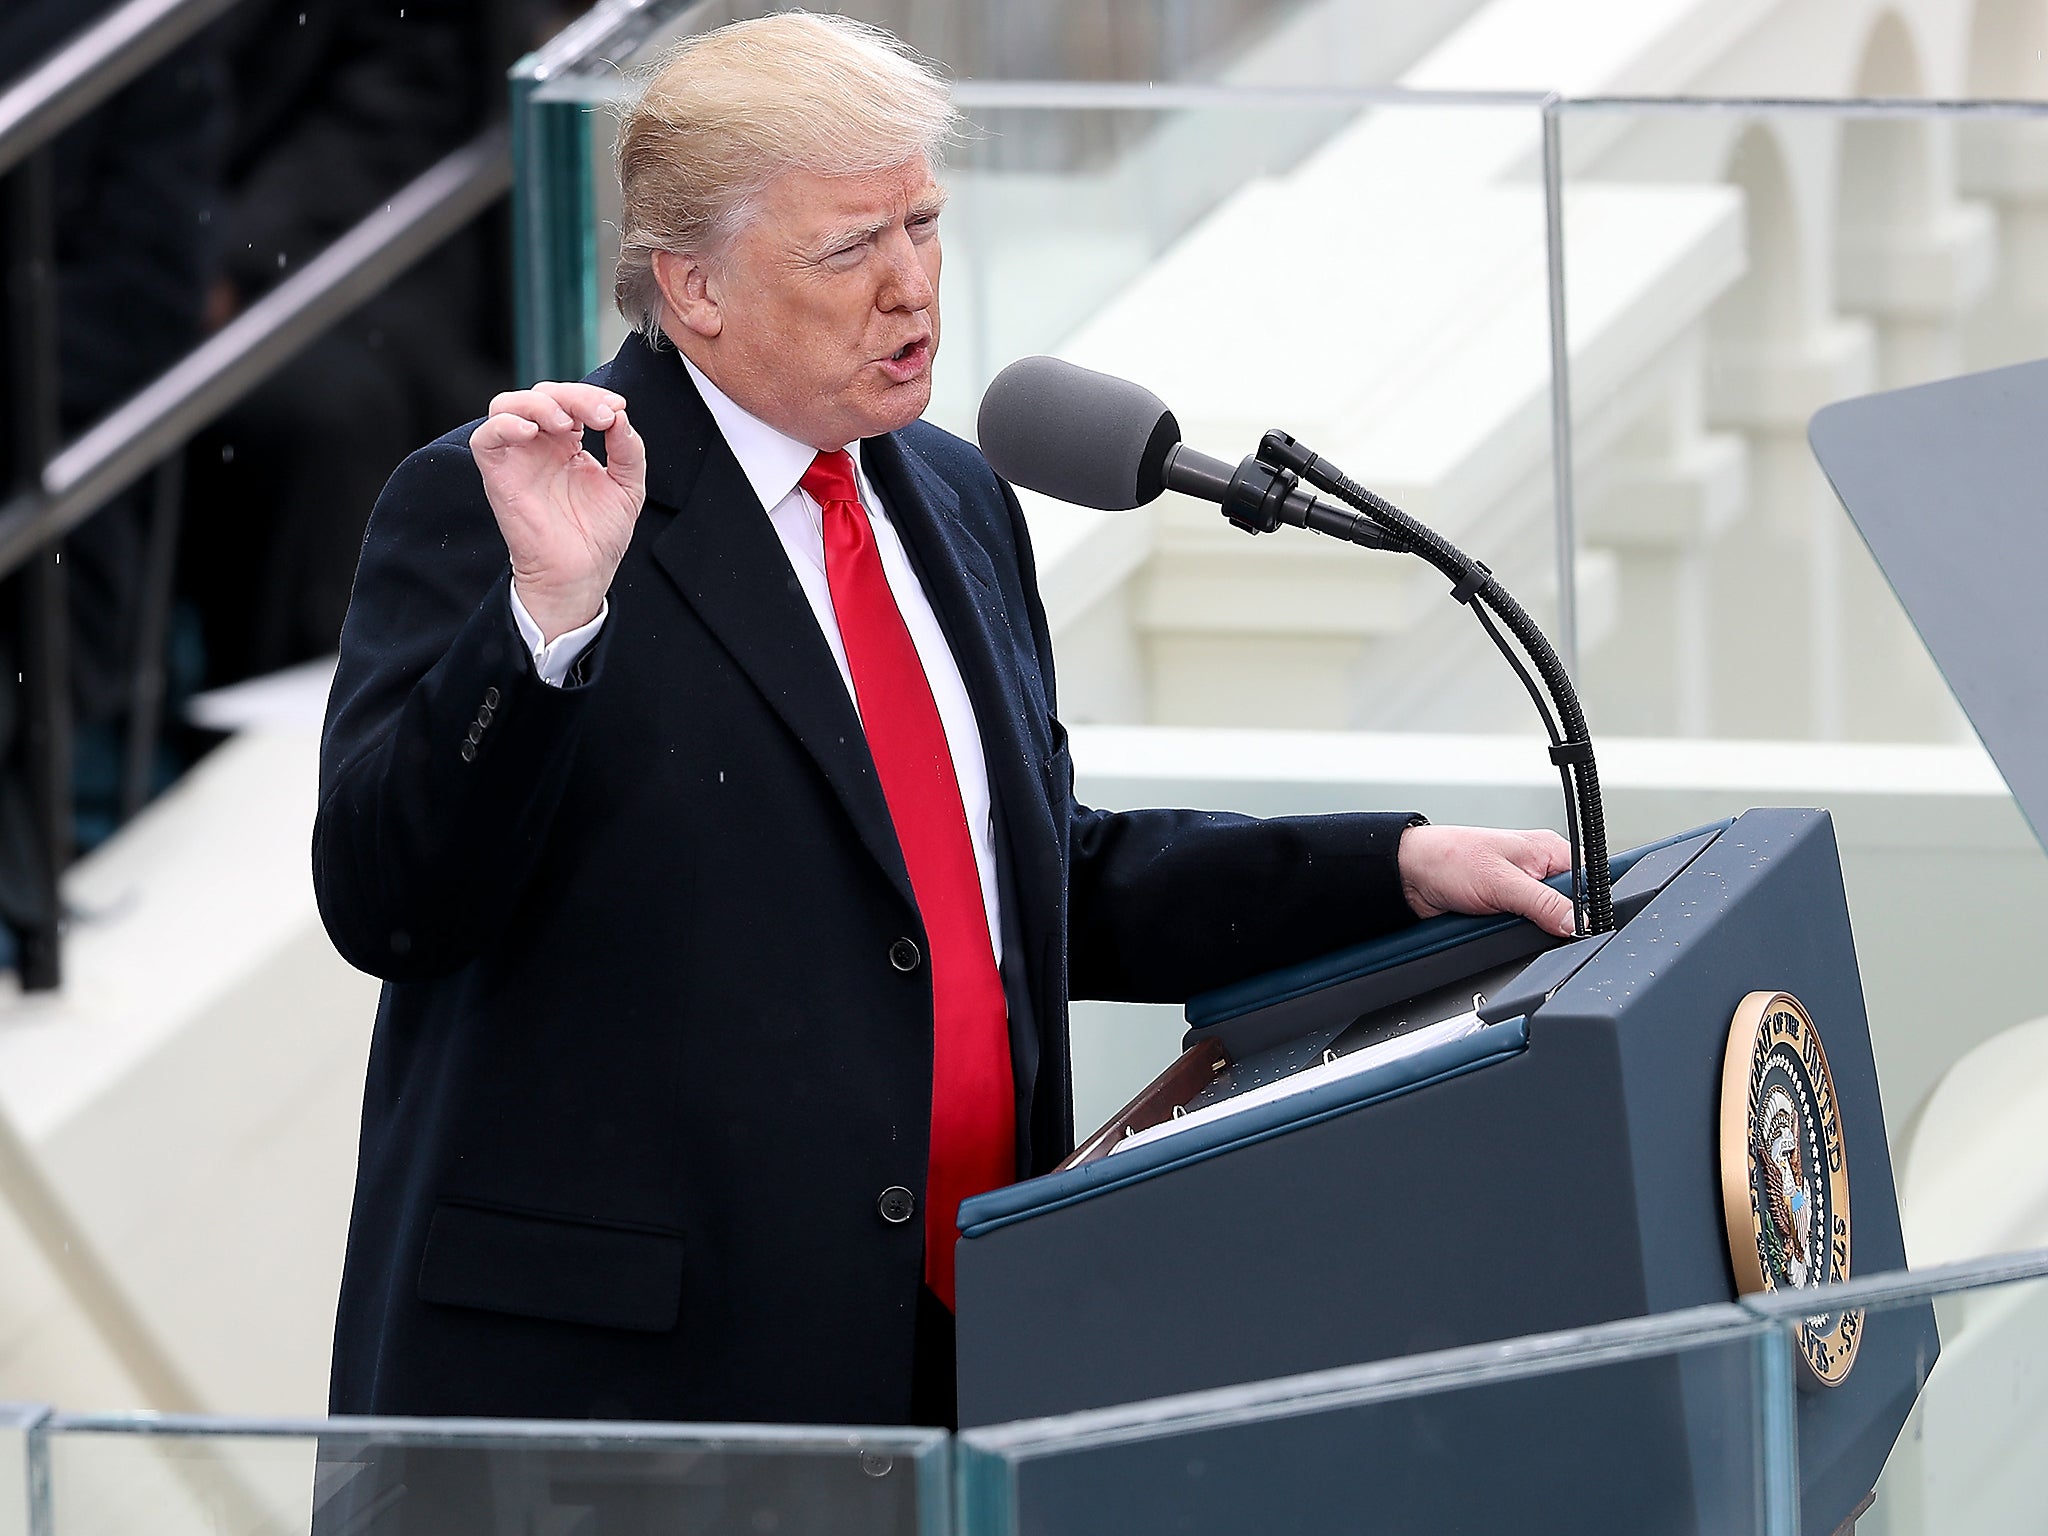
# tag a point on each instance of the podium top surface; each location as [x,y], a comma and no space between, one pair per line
[1431,936]
[1948,484]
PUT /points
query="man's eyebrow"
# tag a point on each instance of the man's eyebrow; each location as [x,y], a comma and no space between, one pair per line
[926,206]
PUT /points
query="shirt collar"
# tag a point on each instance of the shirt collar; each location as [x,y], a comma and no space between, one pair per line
[772,461]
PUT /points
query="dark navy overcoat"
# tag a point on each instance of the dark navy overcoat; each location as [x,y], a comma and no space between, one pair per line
[643,1064]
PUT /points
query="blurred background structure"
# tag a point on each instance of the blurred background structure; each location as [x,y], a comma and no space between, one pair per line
[1564,278]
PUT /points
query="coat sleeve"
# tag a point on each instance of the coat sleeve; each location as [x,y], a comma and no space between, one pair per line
[444,755]
[1164,904]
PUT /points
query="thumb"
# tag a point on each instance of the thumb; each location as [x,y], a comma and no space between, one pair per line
[1547,908]
[625,454]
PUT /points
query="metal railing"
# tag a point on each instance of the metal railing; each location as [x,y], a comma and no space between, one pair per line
[54,485]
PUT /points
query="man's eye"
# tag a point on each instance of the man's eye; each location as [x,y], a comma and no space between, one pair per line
[847,255]
[924,224]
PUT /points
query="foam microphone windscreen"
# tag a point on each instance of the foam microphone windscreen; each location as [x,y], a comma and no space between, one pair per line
[1078,435]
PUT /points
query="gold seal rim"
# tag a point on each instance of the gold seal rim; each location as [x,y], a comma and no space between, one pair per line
[1737,1199]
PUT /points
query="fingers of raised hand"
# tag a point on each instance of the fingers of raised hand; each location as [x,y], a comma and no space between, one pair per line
[590,405]
[502,430]
[554,407]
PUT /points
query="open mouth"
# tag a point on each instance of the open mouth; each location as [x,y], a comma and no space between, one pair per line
[909,360]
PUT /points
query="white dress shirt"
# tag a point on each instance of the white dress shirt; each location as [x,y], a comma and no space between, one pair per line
[774,464]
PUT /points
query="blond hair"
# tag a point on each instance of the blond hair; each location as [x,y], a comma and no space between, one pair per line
[728,111]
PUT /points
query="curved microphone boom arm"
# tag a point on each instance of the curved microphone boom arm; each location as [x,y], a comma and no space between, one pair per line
[1259,504]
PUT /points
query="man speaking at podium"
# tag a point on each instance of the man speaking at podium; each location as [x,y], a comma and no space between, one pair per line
[692,778]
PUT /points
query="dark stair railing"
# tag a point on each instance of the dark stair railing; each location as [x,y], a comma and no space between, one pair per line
[54,486]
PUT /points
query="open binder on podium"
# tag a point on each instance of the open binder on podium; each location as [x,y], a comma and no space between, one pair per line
[1471,1132]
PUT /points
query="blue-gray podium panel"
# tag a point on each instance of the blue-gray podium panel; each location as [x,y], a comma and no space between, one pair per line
[1567,1172]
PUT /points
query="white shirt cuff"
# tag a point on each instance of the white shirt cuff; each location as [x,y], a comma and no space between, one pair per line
[553,659]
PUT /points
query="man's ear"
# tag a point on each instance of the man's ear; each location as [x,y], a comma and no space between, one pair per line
[686,293]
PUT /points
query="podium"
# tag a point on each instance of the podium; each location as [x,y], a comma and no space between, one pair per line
[1466,1132]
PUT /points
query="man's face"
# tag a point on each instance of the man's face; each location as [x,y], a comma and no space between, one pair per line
[827,304]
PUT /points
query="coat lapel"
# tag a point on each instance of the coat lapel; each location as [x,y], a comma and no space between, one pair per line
[960,579]
[722,554]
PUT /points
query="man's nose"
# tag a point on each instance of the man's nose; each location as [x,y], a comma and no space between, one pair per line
[907,285]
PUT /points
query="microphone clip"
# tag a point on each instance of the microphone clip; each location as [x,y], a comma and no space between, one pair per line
[1257,496]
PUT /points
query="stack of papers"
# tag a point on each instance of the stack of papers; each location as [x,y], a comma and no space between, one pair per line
[1330,1070]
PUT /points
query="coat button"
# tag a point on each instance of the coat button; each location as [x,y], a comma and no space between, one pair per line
[476,733]
[490,698]
[903,955]
[469,751]
[483,716]
[897,1205]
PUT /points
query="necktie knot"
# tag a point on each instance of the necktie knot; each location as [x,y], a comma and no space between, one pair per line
[831,478]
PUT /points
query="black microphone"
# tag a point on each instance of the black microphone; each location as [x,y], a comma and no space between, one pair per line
[1099,441]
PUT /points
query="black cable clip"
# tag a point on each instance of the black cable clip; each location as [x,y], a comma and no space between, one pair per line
[1476,580]
[1281,451]
[1572,754]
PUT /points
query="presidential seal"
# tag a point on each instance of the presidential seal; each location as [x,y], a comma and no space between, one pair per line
[1784,1174]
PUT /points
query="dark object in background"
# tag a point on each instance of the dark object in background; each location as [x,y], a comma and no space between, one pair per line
[332,108]
[133,188]
[130,184]
[338,103]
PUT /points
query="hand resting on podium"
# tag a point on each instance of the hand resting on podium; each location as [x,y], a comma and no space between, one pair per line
[1486,869]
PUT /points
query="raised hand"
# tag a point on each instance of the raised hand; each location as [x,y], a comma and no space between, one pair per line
[1484,869]
[566,518]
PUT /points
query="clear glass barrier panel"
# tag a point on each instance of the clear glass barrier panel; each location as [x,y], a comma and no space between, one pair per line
[563,95]
[372,1477]
[1969,1457]
[1807,255]
[1321,42]
[20,1425]
[1368,277]
[1658,1425]
[1692,1421]
[1732,268]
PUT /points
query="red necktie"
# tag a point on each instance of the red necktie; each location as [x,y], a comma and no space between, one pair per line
[973,1129]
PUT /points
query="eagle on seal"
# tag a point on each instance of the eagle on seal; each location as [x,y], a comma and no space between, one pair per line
[1784,1198]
